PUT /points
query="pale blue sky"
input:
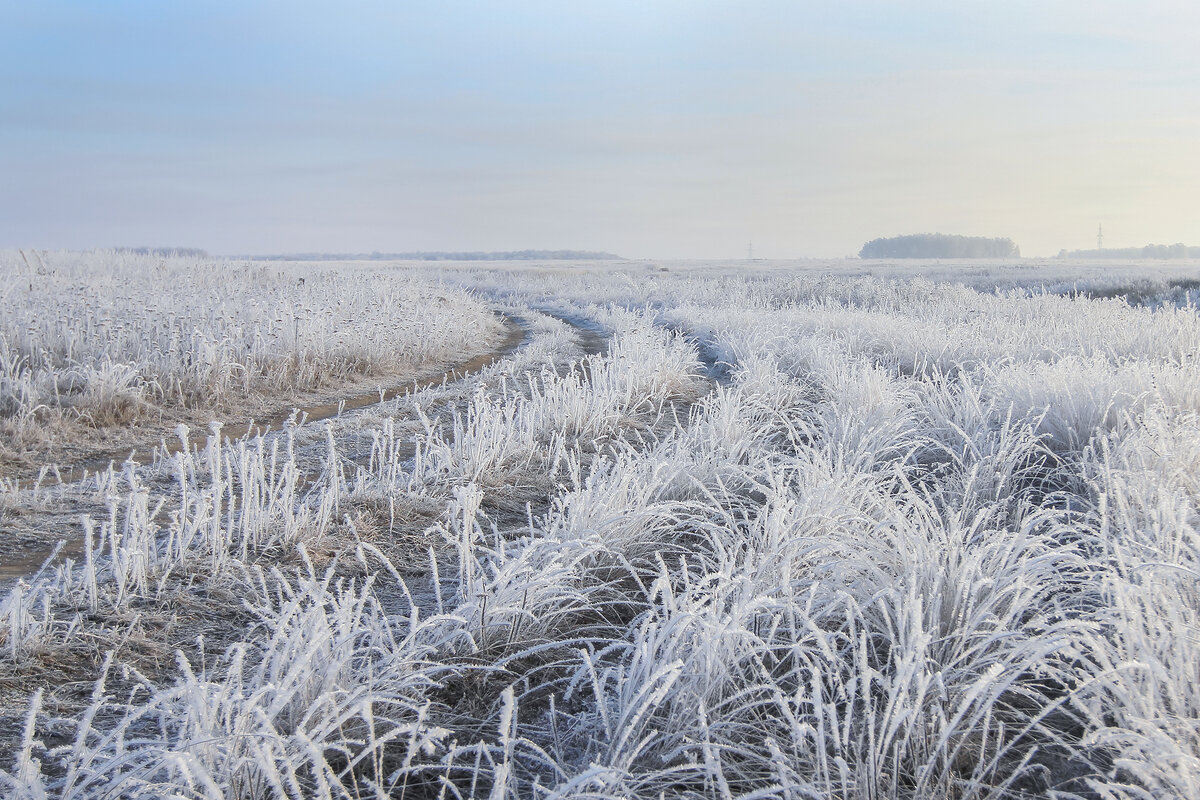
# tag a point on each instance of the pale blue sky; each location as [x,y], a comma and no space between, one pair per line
[651,129]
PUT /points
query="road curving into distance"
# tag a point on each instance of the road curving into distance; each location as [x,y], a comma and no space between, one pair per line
[25,560]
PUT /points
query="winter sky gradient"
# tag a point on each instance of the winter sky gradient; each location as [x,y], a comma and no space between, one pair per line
[650,129]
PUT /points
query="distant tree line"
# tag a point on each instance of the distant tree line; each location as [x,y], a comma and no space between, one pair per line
[1149,251]
[939,245]
[166,252]
[509,255]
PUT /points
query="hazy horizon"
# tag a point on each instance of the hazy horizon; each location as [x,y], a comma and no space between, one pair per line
[677,130]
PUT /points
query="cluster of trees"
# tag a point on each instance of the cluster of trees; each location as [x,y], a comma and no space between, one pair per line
[1177,250]
[510,255]
[939,245]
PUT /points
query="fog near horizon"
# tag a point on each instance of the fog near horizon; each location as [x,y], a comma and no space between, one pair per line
[672,130]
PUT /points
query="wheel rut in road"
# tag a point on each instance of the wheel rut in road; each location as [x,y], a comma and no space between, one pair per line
[24,559]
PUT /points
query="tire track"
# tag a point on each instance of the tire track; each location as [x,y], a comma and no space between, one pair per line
[25,559]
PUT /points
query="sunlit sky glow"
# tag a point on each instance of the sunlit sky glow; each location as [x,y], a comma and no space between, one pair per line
[649,129]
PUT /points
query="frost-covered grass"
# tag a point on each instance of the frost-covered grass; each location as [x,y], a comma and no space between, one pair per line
[792,536]
[105,340]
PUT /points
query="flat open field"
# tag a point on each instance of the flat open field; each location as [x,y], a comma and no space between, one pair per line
[598,530]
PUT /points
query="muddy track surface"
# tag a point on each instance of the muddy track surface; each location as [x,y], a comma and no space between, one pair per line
[20,560]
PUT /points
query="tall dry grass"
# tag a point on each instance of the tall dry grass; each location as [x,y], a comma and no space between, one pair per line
[908,541]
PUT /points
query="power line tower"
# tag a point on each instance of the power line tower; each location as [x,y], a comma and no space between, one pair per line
[1100,237]
[750,251]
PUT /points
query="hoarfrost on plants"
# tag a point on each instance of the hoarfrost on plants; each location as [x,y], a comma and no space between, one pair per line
[789,534]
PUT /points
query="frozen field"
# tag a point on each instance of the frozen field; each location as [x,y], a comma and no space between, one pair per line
[94,344]
[811,530]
